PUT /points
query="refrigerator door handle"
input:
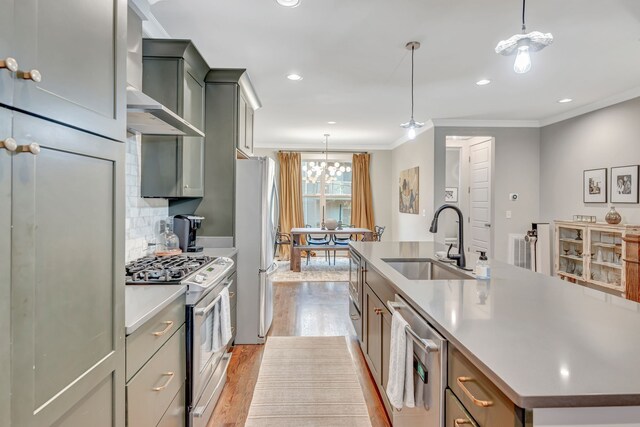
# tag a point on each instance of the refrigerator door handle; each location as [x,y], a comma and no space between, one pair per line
[272,269]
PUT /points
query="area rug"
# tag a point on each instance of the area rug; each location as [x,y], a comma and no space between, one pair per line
[307,381]
[318,270]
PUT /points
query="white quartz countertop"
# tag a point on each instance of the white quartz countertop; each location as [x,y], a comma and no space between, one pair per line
[543,341]
[142,302]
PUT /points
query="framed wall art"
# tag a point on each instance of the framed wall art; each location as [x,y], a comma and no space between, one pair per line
[595,186]
[408,189]
[624,184]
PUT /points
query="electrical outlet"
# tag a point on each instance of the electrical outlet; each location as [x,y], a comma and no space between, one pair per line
[508,214]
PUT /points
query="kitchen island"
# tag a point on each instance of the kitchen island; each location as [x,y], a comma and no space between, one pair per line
[565,353]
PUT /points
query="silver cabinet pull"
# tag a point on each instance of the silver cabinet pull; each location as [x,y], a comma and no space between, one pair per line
[33,148]
[33,75]
[169,324]
[165,385]
[9,144]
[9,63]
[487,225]
[232,294]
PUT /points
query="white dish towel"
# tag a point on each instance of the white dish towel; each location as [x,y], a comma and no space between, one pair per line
[400,382]
[221,330]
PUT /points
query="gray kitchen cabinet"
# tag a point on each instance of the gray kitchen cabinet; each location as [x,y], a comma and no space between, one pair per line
[5,268]
[374,333]
[67,284]
[6,51]
[230,101]
[173,74]
[79,50]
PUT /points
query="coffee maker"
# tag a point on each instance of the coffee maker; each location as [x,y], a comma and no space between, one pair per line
[185,226]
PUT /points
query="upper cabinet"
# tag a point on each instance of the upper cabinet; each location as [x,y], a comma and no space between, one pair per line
[173,74]
[242,100]
[74,76]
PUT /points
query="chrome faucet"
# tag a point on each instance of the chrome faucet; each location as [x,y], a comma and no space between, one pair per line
[459,257]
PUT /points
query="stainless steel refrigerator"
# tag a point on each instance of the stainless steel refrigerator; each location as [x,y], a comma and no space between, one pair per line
[256,222]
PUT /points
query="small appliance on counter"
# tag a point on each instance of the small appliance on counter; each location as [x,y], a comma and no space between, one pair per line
[185,227]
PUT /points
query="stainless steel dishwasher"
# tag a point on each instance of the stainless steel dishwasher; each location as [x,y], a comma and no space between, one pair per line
[429,370]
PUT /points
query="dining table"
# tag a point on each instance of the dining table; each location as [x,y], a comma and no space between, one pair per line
[363,234]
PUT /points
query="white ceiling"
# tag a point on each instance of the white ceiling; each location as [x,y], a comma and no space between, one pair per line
[356,70]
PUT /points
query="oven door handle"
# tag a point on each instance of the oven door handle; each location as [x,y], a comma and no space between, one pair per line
[208,308]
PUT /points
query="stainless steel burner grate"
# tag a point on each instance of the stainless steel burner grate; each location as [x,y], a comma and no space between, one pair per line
[171,269]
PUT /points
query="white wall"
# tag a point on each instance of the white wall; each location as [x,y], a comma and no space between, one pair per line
[601,139]
[419,152]
[516,169]
[143,216]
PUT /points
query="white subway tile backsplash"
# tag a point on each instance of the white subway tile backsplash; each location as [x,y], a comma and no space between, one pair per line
[143,216]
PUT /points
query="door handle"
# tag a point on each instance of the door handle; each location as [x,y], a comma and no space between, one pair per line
[9,63]
[487,225]
[33,75]
[165,385]
[461,421]
[9,144]
[169,324]
[477,402]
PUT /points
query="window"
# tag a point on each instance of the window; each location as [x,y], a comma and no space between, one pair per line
[329,193]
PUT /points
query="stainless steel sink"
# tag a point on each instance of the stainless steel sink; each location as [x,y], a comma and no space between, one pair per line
[427,269]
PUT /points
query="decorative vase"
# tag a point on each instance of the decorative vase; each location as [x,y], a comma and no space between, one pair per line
[331,224]
[613,217]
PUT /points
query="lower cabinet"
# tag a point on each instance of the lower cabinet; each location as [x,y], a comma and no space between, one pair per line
[455,413]
[156,370]
[378,340]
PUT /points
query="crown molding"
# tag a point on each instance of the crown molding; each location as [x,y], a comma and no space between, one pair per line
[486,123]
[151,27]
[343,147]
[598,105]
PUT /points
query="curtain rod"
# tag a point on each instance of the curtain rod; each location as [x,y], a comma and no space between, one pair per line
[324,151]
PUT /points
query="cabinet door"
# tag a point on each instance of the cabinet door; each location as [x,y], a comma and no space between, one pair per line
[79,48]
[67,298]
[248,133]
[5,268]
[374,334]
[193,147]
[7,49]
[386,345]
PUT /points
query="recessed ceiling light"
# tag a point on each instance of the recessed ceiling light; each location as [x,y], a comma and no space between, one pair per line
[331,123]
[294,77]
[288,3]
[565,100]
[483,82]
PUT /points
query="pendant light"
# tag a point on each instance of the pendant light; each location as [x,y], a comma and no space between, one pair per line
[412,125]
[523,44]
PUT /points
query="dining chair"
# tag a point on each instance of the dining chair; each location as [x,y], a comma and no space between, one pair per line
[282,239]
[318,239]
[377,232]
[341,240]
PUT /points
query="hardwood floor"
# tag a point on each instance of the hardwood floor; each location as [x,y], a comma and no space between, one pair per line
[300,309]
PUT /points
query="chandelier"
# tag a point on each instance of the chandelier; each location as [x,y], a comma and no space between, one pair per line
[522,44]
[314,171]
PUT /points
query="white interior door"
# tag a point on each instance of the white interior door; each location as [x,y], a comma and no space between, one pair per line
[480,197]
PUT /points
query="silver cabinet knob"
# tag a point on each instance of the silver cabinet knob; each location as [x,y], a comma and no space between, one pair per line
[186,186]
[32,148]
[31,75]
[9,63]
[9,144]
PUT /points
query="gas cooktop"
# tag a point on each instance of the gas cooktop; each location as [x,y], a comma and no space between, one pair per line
[164,270]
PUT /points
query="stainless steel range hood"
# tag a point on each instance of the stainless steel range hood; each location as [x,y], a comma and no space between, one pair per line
[147,116]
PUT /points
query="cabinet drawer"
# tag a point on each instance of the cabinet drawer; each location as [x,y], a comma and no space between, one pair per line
[488,406]
[234,324]
[379,285]
[144,342]
[455,414]
[175,415]
[233,290]
[153,388]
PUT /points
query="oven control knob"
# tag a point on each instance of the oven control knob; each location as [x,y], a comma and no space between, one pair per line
[199,278]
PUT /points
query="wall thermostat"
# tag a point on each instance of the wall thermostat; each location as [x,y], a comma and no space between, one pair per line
[513,196]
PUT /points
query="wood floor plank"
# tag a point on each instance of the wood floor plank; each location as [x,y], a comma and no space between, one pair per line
[300,309]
